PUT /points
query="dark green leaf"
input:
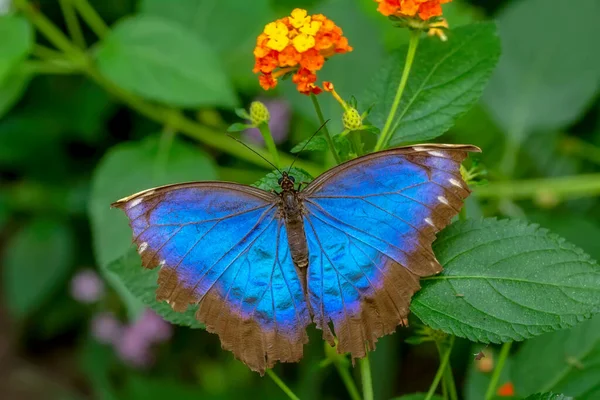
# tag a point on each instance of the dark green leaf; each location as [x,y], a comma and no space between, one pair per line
[507,280]
[548,73]
[548,396]
[317,143]
[17,42]
[446,80]
[163,61]
[12,89]
[564,362]
[36,263]
[126,169]
[142,283]
[271,180]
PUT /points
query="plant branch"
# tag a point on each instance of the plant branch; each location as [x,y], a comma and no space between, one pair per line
[265,131]
[489,394]
[91,17]
[326,133]
[282,385]
[445,360]
[384,138]
[347,379]
[72,22]
[571,187]
[365,373]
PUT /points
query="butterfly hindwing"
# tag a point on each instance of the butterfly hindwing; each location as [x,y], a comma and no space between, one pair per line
[224,246]
[370,224]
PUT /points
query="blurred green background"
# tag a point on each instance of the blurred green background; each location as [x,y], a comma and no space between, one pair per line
[68,147]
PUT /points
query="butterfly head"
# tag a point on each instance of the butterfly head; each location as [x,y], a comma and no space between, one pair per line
[286,181]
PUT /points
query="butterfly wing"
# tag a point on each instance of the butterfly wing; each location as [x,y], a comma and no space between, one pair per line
[370,224]
[224,247]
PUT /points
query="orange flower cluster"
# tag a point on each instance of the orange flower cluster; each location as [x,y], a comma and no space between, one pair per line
[297,44]
[426,9]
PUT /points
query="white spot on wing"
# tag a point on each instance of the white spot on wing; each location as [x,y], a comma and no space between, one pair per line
[429,222]
[436,154]
[419,148]
[455,182]
[148,193]
[143,247]
[135,202]
[162,263]
[443,200]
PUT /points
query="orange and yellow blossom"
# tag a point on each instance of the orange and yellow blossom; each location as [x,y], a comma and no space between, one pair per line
[425,9]
[298,44]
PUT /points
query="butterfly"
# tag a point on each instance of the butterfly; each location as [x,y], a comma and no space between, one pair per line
[345,252]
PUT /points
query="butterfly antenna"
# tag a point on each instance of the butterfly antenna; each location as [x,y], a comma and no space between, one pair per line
[306,144]
[255,152]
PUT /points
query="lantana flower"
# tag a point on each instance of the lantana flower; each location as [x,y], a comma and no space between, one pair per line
[299,45]
[424,9]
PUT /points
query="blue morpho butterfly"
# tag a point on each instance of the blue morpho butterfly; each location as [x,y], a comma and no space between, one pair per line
[346,252]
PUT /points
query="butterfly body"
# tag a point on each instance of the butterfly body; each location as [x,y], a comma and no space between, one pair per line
[347,251]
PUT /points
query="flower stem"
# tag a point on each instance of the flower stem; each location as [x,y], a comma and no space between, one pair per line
[265,131]
[347,379]
[282,385]
[448,378]
[160,114]
[91,17]
[72,23]
[326,134]
[498,370]
[441,370]
[365,373]
[384,138]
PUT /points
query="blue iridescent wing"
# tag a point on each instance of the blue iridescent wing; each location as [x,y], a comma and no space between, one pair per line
[223,246]
[370,224]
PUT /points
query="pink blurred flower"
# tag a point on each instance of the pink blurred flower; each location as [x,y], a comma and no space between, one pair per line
[280,113]
[134,349]
[87,287]
[153,328]
[106,328]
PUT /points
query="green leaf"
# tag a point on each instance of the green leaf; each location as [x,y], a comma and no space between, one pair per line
[142,283]
[126,169]
[12,89]
[548,73]
[205,19]
[548,396]
[564,362]
[446,80]
[238,127]
[317,143]
[271,180]
[507,280]
[37,261]
[163,61]
[16,45]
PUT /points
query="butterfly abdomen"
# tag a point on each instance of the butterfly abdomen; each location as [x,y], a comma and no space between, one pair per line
[294,224]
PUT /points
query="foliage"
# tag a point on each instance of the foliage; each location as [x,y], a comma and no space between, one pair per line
[99,100]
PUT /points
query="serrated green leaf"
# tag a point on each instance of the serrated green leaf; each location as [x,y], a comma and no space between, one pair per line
[564,362]
[507,280]
[271,180]
[317,143]
[18,42]
[161,60]
[545,79]
[446,80]
[548,396]
[127,169]
[36,263]
[142,283]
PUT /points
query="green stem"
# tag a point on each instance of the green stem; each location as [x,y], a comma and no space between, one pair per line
[326,134]
[47,53]
[448,378]
[91,17]
[498,370]
[441,370]
[572,187]
[164,148]
[282,385]
[72,23]
[160,114]
[365,373]
[356,143]
[266,134]
[580,148]
[347,379]
[410,57]
[43,67]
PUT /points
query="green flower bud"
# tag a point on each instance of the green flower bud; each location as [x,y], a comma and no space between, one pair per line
[352,119]
[259,113]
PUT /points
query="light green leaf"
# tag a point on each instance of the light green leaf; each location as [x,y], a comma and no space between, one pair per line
[142,283]
[37,261]
[507,280]
[16,44]
[446,80]
[316,143]
[271,180]
[549,72]
[126,169]
[564,362]
[548,396]
[12,89]
[163,61]
[206,19]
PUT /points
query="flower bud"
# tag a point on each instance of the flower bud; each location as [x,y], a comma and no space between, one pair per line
[259,113]
[351,119]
